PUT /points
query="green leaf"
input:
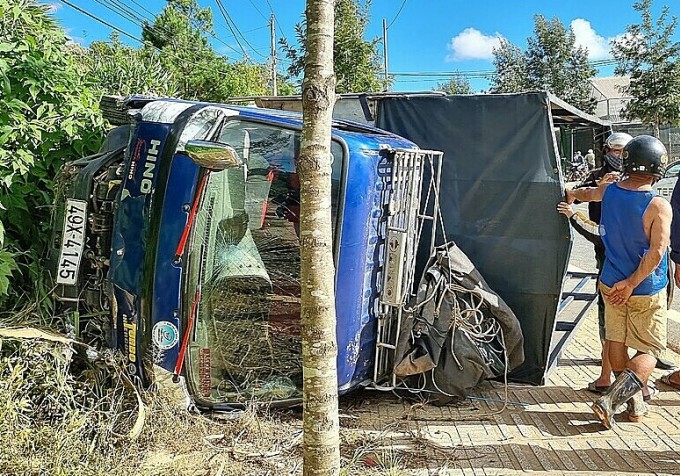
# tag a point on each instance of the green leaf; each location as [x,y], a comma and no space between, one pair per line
[5,133]
[7,265]
[33,90]
[6,86]
[48,115]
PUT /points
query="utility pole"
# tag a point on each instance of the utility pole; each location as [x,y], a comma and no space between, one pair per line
[273,47]
[385,53]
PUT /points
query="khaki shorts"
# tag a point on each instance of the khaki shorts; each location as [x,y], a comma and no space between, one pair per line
[641,323]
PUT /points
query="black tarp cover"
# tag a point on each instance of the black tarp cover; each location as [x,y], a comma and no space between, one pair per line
[499,190]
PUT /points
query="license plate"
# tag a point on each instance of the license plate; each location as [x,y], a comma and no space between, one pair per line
[72,242]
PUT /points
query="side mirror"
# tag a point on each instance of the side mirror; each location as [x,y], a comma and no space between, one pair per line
[212,155]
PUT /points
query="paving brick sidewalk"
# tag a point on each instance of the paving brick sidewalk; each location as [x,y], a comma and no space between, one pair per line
[545,430]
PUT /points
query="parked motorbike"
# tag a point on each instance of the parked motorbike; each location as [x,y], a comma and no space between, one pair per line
[576,172]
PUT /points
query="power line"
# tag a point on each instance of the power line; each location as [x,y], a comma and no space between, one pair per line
[136,20]
[121,12]
[131,11]
[122,32]
[146,24]
[143,8]
[476,73]
[271,9]
[460,74]
[417,80]
[397,15]
[258,28]
[258,10]
[224,15]
[119,30]
[134,17]
[225,12]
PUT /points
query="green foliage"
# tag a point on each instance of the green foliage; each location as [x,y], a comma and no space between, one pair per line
[511,68]
[47,114]
[285,86]
[177,38]
[356,61]
[552,62]
[456,85]
[648,55]
[7,265]
[121,70]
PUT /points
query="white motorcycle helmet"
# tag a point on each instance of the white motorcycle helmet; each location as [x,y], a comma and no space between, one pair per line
[618,140]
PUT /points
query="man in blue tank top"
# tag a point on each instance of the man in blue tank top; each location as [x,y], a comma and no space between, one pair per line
[635,229]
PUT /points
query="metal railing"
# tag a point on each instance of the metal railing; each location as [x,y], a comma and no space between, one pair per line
[413,204]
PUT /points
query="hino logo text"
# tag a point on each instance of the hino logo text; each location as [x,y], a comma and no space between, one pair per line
[149,167]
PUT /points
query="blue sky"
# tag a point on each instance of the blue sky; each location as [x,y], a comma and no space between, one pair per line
[424,36]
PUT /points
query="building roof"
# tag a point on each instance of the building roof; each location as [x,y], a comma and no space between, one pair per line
[609,87]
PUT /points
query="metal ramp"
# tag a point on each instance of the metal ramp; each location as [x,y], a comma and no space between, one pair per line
[412,204]
[579,293]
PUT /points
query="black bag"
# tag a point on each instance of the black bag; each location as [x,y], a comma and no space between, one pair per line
[457,332]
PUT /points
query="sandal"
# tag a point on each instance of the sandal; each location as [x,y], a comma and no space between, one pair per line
[666,380]
[665,364]
[653,391]
[595,388]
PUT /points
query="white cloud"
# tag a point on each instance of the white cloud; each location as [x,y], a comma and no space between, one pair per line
[53,7]
[598,46]
[73,40]
[472,44]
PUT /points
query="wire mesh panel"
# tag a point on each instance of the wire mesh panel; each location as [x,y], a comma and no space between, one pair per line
[413,203]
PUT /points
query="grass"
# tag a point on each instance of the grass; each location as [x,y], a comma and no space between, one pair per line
[66,409]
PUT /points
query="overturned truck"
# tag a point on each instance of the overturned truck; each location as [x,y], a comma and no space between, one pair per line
[178,245]
[501,179]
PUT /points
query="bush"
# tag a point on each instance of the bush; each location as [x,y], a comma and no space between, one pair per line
[48,114]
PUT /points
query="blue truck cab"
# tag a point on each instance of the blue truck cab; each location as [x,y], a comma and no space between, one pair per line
[196,272]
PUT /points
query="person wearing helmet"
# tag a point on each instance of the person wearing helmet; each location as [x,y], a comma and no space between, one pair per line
[613,149]
[635,228]
[577,159]
[611,167]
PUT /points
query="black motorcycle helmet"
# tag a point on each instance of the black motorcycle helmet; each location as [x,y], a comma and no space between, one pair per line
[645,155]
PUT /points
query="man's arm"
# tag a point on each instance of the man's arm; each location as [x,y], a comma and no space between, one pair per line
[585,227]
[589,194]
[661,215]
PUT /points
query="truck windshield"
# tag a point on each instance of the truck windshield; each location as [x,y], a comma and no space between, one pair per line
[244,252]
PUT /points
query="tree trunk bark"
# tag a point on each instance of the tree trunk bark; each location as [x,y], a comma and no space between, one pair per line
[319,345]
